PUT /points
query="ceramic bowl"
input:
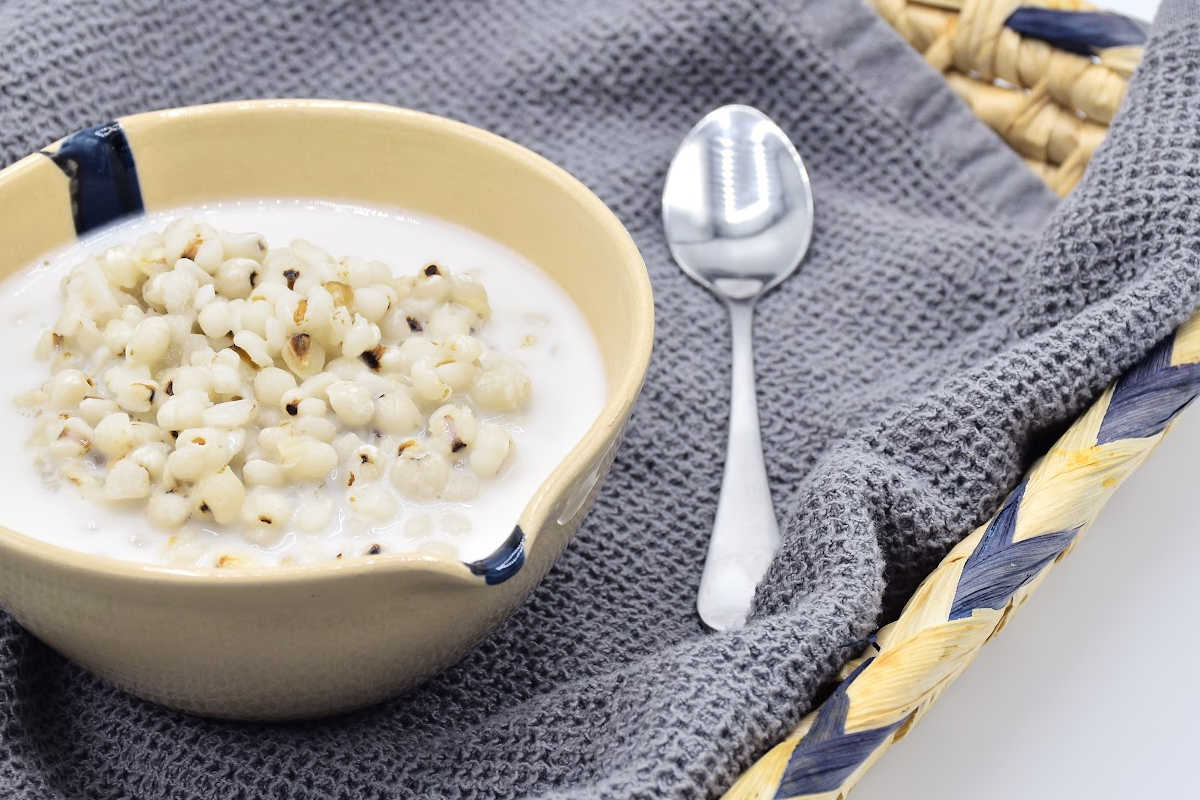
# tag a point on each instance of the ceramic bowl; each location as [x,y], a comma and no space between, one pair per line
[302,641]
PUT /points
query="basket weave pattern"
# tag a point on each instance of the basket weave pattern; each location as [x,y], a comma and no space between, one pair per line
[972,593]
[1051,106]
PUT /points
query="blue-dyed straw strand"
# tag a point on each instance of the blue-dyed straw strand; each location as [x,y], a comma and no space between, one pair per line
[1083,32]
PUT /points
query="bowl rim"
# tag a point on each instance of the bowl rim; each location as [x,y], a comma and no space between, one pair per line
[623,388]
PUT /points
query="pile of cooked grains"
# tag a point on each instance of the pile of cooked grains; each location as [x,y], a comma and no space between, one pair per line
[202,375]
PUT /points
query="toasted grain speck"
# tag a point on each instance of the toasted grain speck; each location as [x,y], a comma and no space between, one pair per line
[342,293]
[371,357]
[301,343]
[243,355]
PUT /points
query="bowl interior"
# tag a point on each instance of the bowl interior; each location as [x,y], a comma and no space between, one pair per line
[378,155]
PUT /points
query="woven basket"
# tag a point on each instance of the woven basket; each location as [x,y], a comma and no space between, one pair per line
[1051,101]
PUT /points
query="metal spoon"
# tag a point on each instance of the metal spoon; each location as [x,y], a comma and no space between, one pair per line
[738,214]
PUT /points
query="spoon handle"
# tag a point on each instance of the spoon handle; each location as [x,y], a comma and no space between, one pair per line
[746,534]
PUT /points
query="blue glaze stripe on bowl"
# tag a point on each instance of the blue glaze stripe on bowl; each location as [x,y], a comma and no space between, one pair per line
[505,562]
[1082,32]
[99,164]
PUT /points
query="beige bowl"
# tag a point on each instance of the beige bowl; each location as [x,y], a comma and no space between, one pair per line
[301,641]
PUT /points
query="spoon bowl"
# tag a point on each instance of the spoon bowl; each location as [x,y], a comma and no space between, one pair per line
[737,204]
[738,216]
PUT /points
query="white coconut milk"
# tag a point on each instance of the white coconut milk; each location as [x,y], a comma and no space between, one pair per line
[533,320]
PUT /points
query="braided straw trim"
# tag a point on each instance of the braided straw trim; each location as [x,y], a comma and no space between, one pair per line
[980,583]
[1051,106]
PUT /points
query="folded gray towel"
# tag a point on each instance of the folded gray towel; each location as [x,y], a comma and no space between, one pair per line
[950,318]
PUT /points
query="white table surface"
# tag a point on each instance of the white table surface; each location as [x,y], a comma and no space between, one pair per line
[1138,8]
[1092,691]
